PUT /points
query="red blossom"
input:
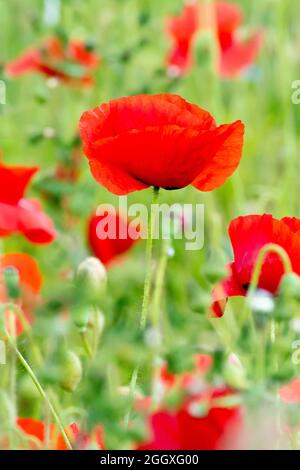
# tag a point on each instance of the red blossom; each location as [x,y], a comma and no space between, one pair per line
[30,279]
[79,440]
[216,428]
[290,393]
[116,244]
[52,58]
[158,140]
[18,214]
[225,18]
[248,236]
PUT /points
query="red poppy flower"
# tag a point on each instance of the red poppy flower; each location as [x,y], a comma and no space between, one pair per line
[160,140]
[117,243]
[54,59]
[30,279]
[216,427]
[20,215]
[235,55]
[37,430]
[290,393]
[248,235]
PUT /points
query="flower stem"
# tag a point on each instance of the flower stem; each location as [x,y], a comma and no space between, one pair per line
[149,249]
[40,389]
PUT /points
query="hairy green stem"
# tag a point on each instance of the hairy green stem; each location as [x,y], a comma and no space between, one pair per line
[149,250]
[40,390]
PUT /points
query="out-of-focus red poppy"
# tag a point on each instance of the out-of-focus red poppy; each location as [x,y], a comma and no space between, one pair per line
[201,423]
[290,393]
[191,382]
[18,214]
[235,55]
[71,63]
[158,140]
[30,280]
[248,235]
[79,440]
[115,228]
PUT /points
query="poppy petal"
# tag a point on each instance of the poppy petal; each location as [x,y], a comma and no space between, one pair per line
[290,393]
[27,267]
[14,181]
[249,234]
[26,63]
[8,219]
[229,287]
[240,55]
[35,224]
[222,154]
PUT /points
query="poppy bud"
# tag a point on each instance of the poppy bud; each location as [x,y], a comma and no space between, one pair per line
[91,279]
[234,373]
[201,302]
[290,286]
[27,390]
[70,371]
[12,282]
[81,316]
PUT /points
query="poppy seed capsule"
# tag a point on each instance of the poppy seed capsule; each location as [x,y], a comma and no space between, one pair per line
[70,371]
[12,282]
[91,279]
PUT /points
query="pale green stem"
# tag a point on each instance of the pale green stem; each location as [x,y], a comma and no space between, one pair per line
[40,390]
[149,249]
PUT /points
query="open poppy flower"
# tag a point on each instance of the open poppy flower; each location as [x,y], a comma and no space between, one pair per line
[235,55]
[79,440]
[201,423]
[158,140]
[69,63]
[117,243]
[18,214]
[30,280]
[248,235]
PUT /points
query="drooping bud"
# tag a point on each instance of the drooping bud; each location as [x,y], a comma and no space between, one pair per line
[70,371]
[11,280]
[91,279]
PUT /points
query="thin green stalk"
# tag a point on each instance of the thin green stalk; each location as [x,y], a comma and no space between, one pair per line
[149,250]
[146,296]
[269,248]
[40,390]
[26,328]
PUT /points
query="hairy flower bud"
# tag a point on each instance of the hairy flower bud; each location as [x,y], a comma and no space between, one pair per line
[91,279]
[70,371]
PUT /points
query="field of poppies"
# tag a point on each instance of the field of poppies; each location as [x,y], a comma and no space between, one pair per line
[150,245]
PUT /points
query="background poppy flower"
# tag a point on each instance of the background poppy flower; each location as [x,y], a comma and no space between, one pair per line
[18,214]
[290,392]
[248,235]
[79,440]
[54,59]
[30,279]
[108,249]
[158,140]
[235,55]
[215,428]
